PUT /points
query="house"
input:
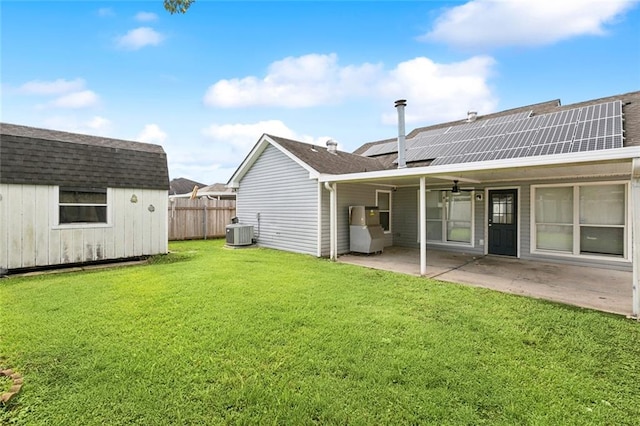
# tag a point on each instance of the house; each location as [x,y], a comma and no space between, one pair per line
[217,191]
[68,198]
[546,182]
[183,186]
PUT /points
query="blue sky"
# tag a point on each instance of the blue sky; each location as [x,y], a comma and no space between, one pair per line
[207,84]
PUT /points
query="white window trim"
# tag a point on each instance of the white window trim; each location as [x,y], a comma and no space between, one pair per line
[444,223]
[55,217]
[575,254]
[378,191]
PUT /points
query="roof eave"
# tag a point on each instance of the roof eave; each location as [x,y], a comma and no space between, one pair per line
[626,153]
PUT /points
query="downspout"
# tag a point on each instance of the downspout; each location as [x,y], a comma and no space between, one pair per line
[423,226]
[635,234]
[319,222]
[333,233]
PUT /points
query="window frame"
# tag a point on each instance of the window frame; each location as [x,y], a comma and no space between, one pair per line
[55,217]
[389,211]
[576,225]
[443,207]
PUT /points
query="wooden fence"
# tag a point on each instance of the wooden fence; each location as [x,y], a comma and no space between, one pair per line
[200,218]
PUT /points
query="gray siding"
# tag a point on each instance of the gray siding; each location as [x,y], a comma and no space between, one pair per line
[355,195]
[405,224]
[280,191]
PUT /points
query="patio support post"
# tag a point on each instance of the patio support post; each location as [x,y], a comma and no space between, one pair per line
[423,226]
[635,234]
[333,228]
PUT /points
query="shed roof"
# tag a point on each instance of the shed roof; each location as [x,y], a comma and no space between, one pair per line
[35,156]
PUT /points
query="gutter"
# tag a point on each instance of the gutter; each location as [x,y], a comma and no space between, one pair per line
[627,153]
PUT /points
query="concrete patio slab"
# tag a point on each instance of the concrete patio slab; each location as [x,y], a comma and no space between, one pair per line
[595,288]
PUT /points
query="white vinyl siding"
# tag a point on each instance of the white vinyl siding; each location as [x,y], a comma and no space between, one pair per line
[286,199]
[30,235]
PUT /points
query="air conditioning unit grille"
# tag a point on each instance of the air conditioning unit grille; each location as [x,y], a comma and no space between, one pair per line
[239,235]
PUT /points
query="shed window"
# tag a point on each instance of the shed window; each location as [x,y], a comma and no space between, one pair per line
[82,205]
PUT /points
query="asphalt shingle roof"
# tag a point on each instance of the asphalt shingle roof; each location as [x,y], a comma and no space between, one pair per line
[30,155]
[320,159]
[183,186]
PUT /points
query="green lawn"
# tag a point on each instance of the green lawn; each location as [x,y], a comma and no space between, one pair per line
[209,335]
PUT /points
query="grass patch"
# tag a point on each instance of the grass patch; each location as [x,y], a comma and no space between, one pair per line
[208,335]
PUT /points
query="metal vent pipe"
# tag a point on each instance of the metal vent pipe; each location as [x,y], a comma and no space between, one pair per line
[402,162]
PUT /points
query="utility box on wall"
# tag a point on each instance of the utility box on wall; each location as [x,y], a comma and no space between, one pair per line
[366,234]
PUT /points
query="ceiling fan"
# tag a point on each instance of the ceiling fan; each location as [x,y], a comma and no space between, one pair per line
[455,190]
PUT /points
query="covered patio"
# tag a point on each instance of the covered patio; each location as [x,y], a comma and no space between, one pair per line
[606,290]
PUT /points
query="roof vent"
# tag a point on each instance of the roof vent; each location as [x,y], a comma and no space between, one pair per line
[471,116]
[332,146]
[400,104]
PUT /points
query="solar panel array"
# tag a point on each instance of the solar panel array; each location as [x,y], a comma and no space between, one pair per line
[589,128]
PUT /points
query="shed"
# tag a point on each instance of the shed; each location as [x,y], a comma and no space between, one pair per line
[68,198]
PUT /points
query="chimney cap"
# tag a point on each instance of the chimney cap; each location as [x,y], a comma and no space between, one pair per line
[401,102]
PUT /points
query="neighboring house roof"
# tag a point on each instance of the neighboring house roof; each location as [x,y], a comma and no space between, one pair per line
[30,155]
[217,190]
[387,154]
[183,186]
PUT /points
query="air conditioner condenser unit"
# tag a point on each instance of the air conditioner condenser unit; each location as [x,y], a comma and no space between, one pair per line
[239,235]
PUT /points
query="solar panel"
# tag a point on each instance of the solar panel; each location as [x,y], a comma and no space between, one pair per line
[589,128]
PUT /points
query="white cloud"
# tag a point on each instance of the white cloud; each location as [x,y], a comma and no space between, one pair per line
[106,12]
[146,16]
[56,87]
[491,23]
[303,81]
[228,144]
[152,133]
[439,92]
[434,90]
[96,125]
[81,99]
[139,38]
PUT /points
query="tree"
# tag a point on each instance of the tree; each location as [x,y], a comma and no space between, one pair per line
[177,6]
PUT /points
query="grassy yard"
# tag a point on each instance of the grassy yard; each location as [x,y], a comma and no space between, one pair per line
[209,335]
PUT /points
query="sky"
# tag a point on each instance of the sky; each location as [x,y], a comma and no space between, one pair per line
[207,84]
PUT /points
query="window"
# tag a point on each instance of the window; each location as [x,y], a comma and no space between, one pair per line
[449,217]
[383,201]
[581,219]
[82,205]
